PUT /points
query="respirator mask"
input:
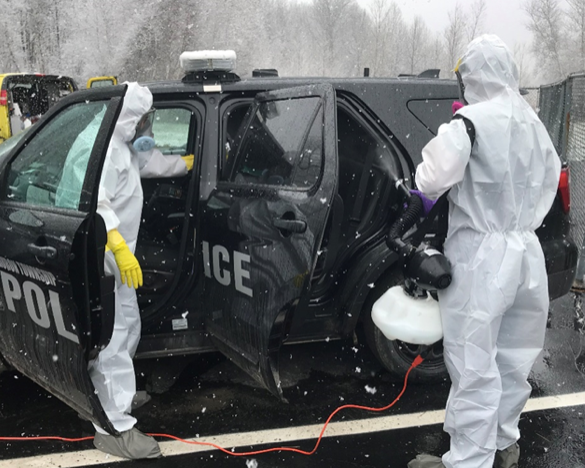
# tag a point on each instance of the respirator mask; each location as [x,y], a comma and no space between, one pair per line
[143,138]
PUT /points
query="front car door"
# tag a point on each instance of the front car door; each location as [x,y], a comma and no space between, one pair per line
[263,224]
[56,306]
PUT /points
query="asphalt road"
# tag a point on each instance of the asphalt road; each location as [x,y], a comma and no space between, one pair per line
[214,401]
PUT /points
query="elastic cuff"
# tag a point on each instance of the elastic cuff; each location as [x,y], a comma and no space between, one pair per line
[115,239]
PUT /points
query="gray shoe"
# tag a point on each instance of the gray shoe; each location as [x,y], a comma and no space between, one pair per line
[426,461]
[507,458]
[140,399]
[131,444]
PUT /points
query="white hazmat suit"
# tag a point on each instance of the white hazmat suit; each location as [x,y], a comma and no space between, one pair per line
[494,313]
[120,205]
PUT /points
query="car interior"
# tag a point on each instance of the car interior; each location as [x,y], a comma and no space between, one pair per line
[34,95]
[163,213]
[367,163]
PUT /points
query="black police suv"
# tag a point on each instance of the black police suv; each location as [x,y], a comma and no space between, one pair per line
[277,236]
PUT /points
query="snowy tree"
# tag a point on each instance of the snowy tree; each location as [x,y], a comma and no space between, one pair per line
[546,21]
[143,41]
[387,38]
[454,37]
[359,45]
[475,19]
[576,18]
[417,46]
[327,16]
[521,56]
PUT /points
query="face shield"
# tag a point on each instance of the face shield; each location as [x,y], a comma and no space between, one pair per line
[143,138]
[460,82]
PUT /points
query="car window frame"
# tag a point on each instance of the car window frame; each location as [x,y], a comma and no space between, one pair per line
[5,186]
[258,186]
[195,116]
[86,204]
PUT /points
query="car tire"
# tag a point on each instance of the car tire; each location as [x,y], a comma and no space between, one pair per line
[397,356]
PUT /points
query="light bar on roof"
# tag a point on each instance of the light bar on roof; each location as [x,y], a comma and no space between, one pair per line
[208,60]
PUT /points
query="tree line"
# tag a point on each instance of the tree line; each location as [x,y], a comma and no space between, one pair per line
[142,40]
[558,44]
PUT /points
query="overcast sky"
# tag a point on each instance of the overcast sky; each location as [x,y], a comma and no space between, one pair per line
[503,17]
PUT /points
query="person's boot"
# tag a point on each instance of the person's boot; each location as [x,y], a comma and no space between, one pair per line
[507,458]
[131,444]
[426,461]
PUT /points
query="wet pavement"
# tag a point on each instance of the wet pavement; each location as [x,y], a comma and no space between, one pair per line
[212,398]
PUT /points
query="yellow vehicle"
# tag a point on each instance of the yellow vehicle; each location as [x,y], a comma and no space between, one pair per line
[24,98]
[99,81]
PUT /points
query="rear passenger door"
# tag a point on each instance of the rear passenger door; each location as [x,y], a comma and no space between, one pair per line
[263,224]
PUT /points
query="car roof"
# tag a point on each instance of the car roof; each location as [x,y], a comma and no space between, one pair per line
[388,98]
[284,82]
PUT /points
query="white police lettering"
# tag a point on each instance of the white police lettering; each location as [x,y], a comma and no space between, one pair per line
[221,276]
[217,266]
[206,263]
[36,302]
[36,306]
[58,315]
[240,272]
[30,272]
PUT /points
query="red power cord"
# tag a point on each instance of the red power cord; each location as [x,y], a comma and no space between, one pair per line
[417,361]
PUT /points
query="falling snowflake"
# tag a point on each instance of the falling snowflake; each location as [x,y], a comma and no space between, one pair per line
[371,390]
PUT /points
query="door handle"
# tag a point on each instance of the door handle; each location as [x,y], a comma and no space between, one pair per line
[292,225]
[43,251]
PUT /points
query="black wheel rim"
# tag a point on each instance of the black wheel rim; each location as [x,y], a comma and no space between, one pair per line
[408,352]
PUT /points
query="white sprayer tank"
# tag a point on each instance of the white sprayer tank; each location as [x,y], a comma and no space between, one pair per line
[405,318]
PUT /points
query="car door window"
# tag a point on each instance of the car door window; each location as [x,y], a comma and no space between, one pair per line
[270,151]
[171,130]
[50,170]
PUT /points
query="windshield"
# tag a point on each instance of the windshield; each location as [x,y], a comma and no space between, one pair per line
[7,146]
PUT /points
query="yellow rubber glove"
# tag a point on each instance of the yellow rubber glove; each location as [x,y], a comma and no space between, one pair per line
[189,161]
[128,265]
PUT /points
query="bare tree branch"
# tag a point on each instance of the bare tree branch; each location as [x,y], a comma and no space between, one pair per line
[454,36]
[546,22]
[475,20]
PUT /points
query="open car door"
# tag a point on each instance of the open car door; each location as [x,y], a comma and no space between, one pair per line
[56,305]
[263,224]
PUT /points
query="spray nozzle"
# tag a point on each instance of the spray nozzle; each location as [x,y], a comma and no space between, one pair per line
[425,266]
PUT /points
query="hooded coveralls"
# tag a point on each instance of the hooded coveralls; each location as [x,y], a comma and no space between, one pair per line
[494,313]
[120,205]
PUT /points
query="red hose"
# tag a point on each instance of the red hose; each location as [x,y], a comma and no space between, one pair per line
[414,364]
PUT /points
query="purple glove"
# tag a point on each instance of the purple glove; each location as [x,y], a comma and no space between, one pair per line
[427,203]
